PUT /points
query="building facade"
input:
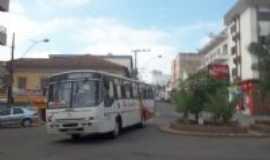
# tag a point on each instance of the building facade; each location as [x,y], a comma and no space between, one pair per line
[159,78]
[215,52]
[246,22]
[123,60]
[184,65]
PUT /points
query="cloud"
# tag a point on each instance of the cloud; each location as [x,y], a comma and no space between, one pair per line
[204,41]
[62,3]
[103,36]
[16,7]
[100,35]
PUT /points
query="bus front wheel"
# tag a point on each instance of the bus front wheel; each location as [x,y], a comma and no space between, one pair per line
[116,131]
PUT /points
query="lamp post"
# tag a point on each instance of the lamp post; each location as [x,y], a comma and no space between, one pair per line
[143,69]
[10,98]
[136,51]
[46,40]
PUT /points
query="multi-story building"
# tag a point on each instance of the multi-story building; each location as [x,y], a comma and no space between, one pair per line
[4,7]
[215,52]
[159,78]
[246,22]
[183,66]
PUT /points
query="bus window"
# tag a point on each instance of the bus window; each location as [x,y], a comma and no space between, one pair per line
[115,91]
[123,91]
[60,95]
[131,90]
[127,89]
[85,94]
[108,93]
[135,90]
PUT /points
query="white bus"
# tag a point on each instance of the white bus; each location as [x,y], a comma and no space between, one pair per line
[92,102]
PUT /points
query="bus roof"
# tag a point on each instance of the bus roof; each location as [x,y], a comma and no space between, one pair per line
[98,72]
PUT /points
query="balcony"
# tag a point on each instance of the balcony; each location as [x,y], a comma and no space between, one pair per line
[216,58]
[236,37]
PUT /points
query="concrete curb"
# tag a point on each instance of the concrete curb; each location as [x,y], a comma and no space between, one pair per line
[251,134]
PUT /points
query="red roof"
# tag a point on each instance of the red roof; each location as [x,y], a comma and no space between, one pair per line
[80,62]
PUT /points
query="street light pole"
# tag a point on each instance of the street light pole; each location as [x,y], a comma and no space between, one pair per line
[10,98]
[34,44]
[136,51]
[11,71]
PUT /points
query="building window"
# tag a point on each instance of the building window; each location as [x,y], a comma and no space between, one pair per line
[234,50]
[22,83]
[233,28]
[225,49]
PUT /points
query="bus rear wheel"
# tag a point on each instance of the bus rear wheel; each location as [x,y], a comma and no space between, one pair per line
[142,124]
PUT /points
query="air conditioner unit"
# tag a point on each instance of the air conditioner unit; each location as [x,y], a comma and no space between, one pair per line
[4,5]
[3,36]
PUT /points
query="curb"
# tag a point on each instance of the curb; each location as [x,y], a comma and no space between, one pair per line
[251,134]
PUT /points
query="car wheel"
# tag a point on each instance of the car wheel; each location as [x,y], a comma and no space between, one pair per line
[27,123]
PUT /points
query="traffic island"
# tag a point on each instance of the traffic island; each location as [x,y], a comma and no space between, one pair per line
[212,130]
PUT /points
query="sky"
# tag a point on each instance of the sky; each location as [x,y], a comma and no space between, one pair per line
[114,26]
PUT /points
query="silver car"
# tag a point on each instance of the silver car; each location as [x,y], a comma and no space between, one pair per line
[18,116]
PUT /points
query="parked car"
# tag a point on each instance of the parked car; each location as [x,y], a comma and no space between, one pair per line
[17,116]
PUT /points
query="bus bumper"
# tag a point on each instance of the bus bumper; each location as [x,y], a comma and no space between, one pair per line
[70,128]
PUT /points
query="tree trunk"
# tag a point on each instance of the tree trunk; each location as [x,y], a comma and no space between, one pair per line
[197,117]
[185,117]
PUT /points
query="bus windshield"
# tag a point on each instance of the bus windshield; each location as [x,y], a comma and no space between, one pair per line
[75,94]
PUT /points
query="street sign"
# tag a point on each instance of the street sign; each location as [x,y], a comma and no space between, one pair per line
[4,5]
[3,35]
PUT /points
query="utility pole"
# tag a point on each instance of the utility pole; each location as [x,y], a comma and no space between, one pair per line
[136,51]
[11,71]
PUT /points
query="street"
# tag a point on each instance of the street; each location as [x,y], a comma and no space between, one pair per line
[134,144]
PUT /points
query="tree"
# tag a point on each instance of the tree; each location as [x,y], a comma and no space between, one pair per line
[183,102]
[194,93]
[261,50]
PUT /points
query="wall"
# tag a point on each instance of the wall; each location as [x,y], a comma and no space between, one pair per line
[126,62]
[248,32]
[33,79]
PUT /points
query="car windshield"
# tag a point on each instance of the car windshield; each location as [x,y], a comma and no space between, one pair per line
[4,112]
[76,94]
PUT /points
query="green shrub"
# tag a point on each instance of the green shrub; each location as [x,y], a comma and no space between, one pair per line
[183,102]
[220,106]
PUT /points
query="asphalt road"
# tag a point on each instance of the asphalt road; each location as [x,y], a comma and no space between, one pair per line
[134,144]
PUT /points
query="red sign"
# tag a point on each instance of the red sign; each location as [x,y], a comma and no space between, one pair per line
[219,71]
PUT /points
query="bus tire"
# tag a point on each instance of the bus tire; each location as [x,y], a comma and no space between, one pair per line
[75,136]
[117,128]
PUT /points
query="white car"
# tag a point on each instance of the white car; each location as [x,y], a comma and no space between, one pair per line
[17,116]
